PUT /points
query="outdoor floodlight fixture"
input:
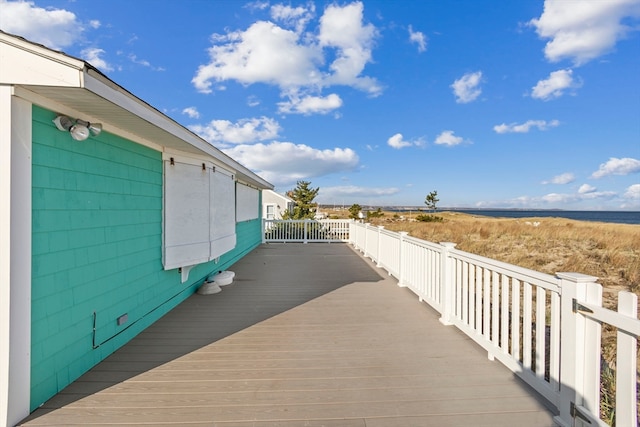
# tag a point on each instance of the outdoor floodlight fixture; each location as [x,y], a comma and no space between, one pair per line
[79,129]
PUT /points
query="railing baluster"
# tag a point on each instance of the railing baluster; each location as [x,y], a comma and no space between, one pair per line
[504,324]
[486,301]
[526,326]
[495,308]
[465,292]
[541,305]
[515,319]
[458,292]
[554,354]
[437,268]
[470,310]
[478,300]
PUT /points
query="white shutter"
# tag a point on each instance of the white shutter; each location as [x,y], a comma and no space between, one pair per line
[247,203]
[186,214]
[222,234]
[199,212]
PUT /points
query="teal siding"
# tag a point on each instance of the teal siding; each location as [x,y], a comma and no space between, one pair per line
[96,237]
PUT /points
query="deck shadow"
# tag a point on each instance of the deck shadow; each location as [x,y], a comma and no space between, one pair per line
[270,280]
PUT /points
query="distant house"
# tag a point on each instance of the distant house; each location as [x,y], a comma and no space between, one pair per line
[111,214]
[274,205]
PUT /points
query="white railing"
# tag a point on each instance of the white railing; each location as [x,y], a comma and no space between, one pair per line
[546,329]
[305,231]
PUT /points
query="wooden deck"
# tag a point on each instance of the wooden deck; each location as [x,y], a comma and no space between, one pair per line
[307,335]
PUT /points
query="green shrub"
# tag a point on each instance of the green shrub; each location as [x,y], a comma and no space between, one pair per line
[428,218]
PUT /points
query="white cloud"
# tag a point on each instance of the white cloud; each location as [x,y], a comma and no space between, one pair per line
[592,195]
[242,132]
[294,17]
[555,85]
[564,178]
[526,126]
[397,142]
[285,163]
[558,199]
[342,28]
[134,58]
[448,138]
[523,201]
[586,194]
[466,88]
[264,53]
[290,59]
[589,194]
[583,30]
[54,28]
[253,101]
[93,57]
[310,105]
[633,192]
[192,112]
[615,166]
[352,191]
[586,188]
[418,38]
[257,5]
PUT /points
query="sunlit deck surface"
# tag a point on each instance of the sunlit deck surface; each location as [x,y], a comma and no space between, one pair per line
[307,335]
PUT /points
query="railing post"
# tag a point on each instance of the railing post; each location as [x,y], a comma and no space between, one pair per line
[365,227]
[401,283]
[378,249]
[262,228]
[304,226]
[352,231]
[446,284]
[572,358]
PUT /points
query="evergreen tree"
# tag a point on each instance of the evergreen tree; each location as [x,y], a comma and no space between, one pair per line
[432,200]
[302,195]
[354,210]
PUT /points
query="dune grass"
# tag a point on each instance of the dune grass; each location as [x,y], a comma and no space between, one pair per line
[608,251]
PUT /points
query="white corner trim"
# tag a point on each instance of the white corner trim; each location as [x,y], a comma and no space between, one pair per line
[15,257]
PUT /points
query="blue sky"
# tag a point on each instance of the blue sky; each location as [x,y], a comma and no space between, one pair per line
[493,103]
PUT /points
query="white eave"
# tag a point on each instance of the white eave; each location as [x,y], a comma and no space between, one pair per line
[75,84]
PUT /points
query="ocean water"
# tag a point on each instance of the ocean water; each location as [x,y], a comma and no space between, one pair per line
[621,217]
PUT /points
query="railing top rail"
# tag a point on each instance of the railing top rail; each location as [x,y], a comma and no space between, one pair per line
[547,281]
[387,232]
[322,221]
[619,320]
[423,243]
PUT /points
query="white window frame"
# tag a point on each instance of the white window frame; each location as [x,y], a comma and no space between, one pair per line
[272,214]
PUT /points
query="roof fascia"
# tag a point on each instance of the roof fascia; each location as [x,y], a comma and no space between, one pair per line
[52,68]
[39,65]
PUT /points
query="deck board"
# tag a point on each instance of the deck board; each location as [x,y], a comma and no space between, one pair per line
[308,335]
